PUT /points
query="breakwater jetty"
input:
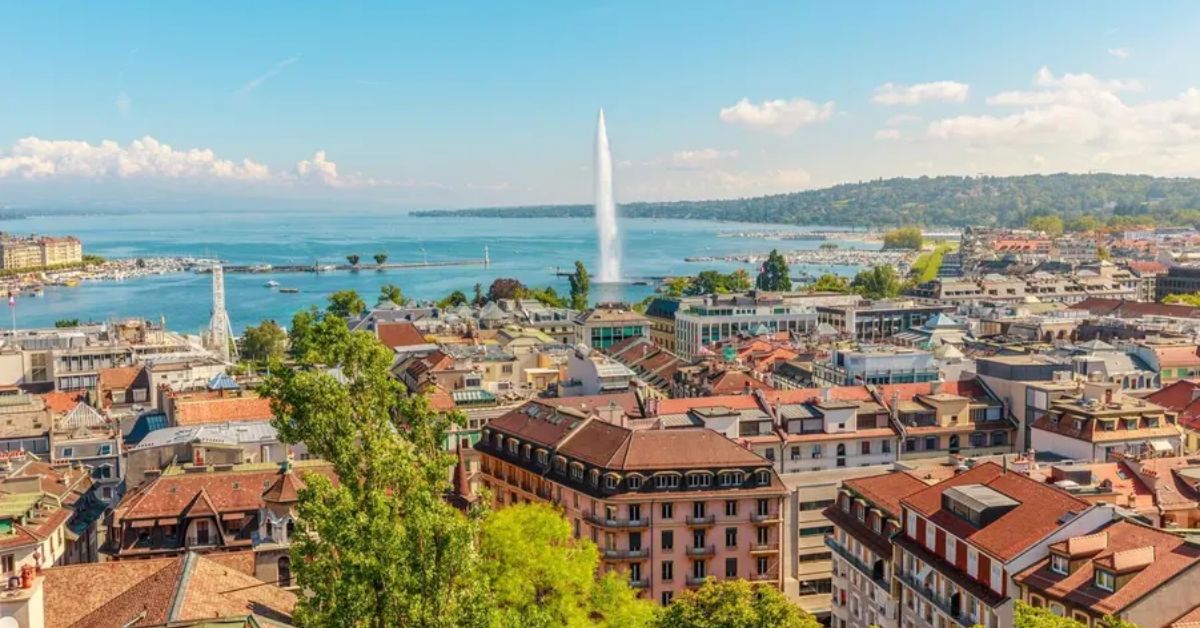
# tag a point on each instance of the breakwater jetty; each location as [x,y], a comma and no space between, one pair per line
[318,267]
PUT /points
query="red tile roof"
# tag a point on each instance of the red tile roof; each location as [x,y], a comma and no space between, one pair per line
[1182,397]
[400,334]
[885,491]
[59,402]
[118,378]
[225,492]
[681,406]
[204,408]
[1040,508]
[1156,556]
[1177,356]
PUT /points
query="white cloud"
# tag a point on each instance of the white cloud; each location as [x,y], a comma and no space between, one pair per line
[937,91]
[257,81]
[1120,53]
[1087,121]
[777,116]
[902,119]
[699,158]
[319,170]
[888,134]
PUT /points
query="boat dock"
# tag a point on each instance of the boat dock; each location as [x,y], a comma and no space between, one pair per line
[322,268]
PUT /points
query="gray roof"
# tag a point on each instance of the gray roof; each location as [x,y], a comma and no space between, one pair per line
[236,433]
[979,497]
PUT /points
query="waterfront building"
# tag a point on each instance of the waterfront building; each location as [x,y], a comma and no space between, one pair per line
[865,517]
[965,539]
[711,319]
[875,364]
[670,508]
[20,254]
[607,324]
[1103,421]
[1125,570]
[874,321]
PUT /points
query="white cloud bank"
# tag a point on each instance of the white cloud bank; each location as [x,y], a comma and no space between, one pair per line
[1120,53]
[777,116]
[937,91]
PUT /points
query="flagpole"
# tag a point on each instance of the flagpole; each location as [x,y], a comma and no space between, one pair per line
[12,306]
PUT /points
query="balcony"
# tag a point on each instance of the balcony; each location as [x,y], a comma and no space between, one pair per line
[701,550]
[627,554]
[764,548]
[705,521]
[942,604]
[693,581]
[763,577]
[639,584]
[767,518]
[599,520]
[857,562]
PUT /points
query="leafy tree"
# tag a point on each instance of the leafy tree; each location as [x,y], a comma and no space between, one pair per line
[738,281]
[380,258]
[265,342]
[881,282]
[707,282]
[904,238]
[774,274]
[548,296]
[346,303]
[675,286]
[1026,616]
[66,322]
[392,292]
[1192,299]
[830,283]
[734,604]
[454,299]
[1050,224]
[479,299]
[1084,224]
[580,284]
[540,575]
[1103,253]
[505,288]
[302,336]
[353,259]
[140,263]
[380,547]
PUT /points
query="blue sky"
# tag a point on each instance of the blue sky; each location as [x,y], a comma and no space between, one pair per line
[458,104]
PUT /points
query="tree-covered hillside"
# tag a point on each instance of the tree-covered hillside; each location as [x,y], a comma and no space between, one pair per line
[928,201]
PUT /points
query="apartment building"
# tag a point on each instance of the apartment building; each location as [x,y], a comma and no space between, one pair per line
[607,324]
[703,321]
[965,539]
[1103,421]
[670,508]
[875,364]
[1101,280]
[873,321]
[865,517]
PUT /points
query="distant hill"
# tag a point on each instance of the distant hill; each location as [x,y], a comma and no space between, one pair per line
[927,201]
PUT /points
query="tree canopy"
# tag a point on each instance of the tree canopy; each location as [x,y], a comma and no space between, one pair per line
[880,282]
[830,283]
[1026,616]
[454,299]
[904,238]
[774,274]
[1050,224]
[346,303]
[580,285]
[734,604]
[392,292]
[265,342]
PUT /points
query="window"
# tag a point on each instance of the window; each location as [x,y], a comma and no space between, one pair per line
[997,577]
[699,480]
[635,512]
[763,535]
[668,540]
[816,505]
[912,525]
[666,481]
[730,537]
[7,564]
[698,570]
[577,472]
[816,531]
[1106,580]
[67,452]
[764,507]
[731,478]
[668,570]
[731,567]
[611,482]
[885,446]
[698,510]
[763,476]
[1059,564]
[769,454]
[731,508]
[761,566]
[1058,609]
[930,536]
[972,562]
[106,493]
[796,453]
[698,538]
[951,548]
[634,482]
[668,510]
[542,457]
[104,450]
[866,448]
[594,477]
[666,597]
[512,446]
[816,452]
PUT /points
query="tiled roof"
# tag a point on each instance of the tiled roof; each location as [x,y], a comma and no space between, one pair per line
[586,403]
[1156,557]
[60,402]
[217,408]
[286,488]
[1177,356]
[160,591]
[119,377]
[1182,397]
[618,448]
[683,405]
[1134,309]
[228,491]
[885,491]
[400,334]
[1040,508]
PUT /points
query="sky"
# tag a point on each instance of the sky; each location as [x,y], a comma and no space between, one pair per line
[459,104]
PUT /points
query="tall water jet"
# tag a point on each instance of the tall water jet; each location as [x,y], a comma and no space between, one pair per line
[606,209]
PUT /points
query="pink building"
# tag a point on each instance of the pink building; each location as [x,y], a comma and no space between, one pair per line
[671,507]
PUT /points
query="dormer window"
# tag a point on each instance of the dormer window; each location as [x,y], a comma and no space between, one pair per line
[1131,424]
[525,451]
[699,480]
[731,478]
[594,477]
[611,482]
[763,477]
[1060,564]
[512,446]
[666,481]
[1106,580]
[543,457]
[1152,423]
[634,482]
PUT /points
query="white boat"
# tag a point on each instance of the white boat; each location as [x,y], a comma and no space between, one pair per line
[272,284]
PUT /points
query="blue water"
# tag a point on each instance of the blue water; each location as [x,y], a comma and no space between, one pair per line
[528,249]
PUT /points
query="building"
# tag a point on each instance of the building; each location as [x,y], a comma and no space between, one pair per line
[703,321]
[20,253]
[82,436]
[966,538]
[1103,421]
[593,373]
[1177,280]
[26,424]
[668,507]
[606,325]
[654,366]
[242,442]
[205,407]
[1126,570]
[948,420]
[59,251]
[865,517]
[1101,280]
[873,321]
[1172,360]
[661,314]
[1026,385]
[875,364]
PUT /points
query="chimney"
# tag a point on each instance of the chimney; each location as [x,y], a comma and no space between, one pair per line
[935,387]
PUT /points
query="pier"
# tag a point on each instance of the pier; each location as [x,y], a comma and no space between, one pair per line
[324,268]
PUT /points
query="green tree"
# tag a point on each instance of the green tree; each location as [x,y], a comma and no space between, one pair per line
[380,547]
[505,288]
[547,296]
[830,283]
[676,286]
[580,285]
[738,281]
[454,299]
[1192,299]
[66,322]
[380,258]
[265,342]
[1050,224]
[346,303]
[353,259]
[539,575]
[904,238]
[734,604]
[1084,224]
[707,282]
[479,299]
[392,292]
[302,335]
[774,275]
[881,282]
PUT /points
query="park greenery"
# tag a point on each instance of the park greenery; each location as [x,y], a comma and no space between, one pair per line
[1050,224]
[880,282]
[950,201]
[1026,616]
[1192,299]
[381,547]
[774,274]
[909,238]
[928,263]
[264,343]
[64,323]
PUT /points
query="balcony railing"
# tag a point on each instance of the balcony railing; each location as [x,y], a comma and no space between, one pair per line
[936,600]
[759,577]
[639,584]
[626,554]
[617,523]
[763,548]
[701,550]
[857,562]
[693,581]
[706,520]
[767,518]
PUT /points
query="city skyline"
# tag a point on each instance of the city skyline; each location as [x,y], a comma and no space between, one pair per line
[429,106]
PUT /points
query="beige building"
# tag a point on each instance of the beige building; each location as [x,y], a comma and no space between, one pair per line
[33,253]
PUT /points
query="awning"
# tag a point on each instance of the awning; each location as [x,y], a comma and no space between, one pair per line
[1160,445]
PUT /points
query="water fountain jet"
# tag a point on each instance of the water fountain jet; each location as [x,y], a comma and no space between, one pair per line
[606,209]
